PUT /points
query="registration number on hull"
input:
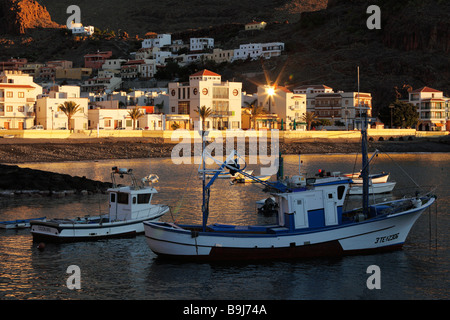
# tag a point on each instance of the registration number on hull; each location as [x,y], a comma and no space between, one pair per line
[44,229]
[386,238]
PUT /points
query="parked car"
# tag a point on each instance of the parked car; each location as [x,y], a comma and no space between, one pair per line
[38,127]
[2,128]
[61,128]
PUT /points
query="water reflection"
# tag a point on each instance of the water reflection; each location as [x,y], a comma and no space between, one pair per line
[127,269]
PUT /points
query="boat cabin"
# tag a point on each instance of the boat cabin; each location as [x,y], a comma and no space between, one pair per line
[129,202]
[317,206]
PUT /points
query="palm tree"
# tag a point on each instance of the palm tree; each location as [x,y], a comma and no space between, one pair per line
[135,114]
[69,108]
[254,111]
[309,118]
[204,113]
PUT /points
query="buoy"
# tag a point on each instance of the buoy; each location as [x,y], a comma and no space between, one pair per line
[41,246]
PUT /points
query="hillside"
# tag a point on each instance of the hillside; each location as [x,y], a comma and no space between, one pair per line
[322,47]
[141,16]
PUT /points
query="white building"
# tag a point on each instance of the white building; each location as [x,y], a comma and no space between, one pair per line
[50,117]
[205,88]
[201,44]
[18,94]
[336,106]
[159,41]
[433,108]
[289,108]
[79,29]
[256,50]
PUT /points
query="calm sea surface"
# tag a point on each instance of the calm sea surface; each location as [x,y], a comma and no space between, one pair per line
[123,269]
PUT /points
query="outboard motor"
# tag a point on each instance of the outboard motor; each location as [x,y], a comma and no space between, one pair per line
[235,165]
[269,207]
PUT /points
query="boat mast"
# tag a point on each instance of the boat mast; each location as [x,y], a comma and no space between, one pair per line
[365,160]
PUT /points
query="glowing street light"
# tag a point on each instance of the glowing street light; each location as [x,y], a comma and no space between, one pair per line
[270,92]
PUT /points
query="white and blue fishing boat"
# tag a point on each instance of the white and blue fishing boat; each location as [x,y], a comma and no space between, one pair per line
[129,206]
[311,222]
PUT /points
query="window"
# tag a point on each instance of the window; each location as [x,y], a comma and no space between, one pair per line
[122,198]
[9,108]
[9,94]
[20,108]
[21,94]
[113,197]
[144,198]
[340,190]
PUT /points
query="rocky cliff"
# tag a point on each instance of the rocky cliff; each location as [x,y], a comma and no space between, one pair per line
[16,16]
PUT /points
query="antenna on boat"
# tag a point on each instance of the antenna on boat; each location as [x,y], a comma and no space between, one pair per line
[365,160]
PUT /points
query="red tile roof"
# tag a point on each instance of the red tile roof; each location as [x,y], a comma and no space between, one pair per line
[426,89]
[18,86]
[205,72]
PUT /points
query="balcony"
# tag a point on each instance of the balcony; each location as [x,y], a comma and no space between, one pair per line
[221,113]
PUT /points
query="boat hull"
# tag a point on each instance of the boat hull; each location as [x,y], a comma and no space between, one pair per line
[70,231]
[375,188]
[375,235]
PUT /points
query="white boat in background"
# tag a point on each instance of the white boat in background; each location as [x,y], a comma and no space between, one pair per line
[375,188]
[19,223]
[129,207]
[310,223]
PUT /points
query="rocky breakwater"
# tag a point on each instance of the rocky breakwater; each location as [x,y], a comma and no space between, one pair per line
[15,180]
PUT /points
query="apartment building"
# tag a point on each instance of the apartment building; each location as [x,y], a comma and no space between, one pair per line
[96,60]
[205,88]
[337,107]
[201,44]
[284,108]
[13,64]
[158,40]
[219,55]
[144,68]
[433,108]
[51,118]
[257,50]
[17,98]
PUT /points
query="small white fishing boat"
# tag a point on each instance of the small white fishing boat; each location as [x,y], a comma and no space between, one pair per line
[129,207]
[311,222]
[19,223]
[374,188]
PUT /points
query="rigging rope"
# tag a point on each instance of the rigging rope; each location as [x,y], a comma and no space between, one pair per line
[403,171]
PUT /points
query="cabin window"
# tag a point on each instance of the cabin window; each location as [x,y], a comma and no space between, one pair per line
[144,198]
[341,190]
[330,196]
[113,197]
[122,198]
[134,200]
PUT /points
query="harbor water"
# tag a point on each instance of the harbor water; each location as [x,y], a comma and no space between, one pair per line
[126,269]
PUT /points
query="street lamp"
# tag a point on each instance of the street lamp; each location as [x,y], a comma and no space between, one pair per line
[391,106]
[270,92]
